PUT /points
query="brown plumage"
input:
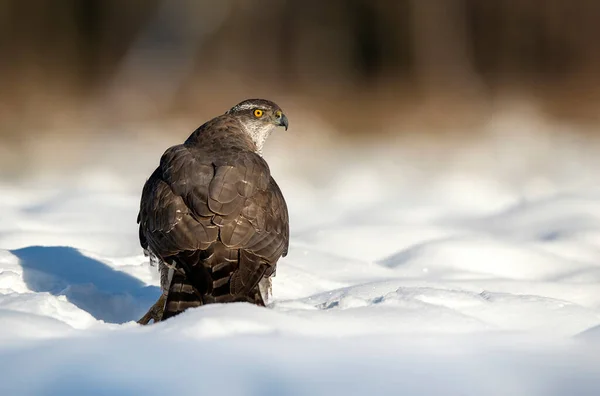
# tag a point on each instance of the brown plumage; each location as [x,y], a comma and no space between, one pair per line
[212,216]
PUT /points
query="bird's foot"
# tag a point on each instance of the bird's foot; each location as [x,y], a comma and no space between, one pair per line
[155,312]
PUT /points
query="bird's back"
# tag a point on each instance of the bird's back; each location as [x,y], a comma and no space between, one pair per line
[214,217]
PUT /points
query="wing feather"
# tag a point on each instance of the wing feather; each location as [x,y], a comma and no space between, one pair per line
[197,197]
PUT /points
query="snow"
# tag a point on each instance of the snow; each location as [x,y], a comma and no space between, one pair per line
[469,281]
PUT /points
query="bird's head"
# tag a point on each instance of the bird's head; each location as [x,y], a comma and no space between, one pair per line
[260,113]
[259,117]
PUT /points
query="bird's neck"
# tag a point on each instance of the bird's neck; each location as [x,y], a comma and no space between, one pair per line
[259,135]
[231,133]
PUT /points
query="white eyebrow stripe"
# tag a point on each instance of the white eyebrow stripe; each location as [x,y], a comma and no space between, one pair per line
[247,106]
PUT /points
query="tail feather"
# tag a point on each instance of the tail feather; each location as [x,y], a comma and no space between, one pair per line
[181,296]
[217,275]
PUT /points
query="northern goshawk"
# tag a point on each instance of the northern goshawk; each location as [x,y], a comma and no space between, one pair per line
[212,217]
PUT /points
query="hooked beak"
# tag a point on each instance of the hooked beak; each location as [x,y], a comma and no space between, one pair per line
[283,121]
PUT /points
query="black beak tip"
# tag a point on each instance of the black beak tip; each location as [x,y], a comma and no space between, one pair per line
[283,121]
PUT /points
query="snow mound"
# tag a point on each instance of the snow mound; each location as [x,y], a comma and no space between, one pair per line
[459,288]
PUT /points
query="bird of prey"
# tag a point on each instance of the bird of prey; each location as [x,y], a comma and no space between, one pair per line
[211,215]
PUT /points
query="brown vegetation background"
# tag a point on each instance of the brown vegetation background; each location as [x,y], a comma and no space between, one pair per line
[71,68]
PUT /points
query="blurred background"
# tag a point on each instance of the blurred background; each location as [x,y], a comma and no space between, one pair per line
[438,76]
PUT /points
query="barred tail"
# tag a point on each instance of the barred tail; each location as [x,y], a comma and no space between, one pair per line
[181,296]
[221,275]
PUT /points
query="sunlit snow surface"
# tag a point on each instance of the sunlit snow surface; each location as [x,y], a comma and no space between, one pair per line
[395,283]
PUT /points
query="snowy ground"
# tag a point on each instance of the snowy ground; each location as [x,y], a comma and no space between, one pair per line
[469,282]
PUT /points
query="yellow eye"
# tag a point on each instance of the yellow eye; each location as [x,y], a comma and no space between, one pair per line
[258,113]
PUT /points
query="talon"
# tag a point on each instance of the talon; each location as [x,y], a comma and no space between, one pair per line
[155,312]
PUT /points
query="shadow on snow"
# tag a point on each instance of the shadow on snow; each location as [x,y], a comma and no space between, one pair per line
[108,295]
